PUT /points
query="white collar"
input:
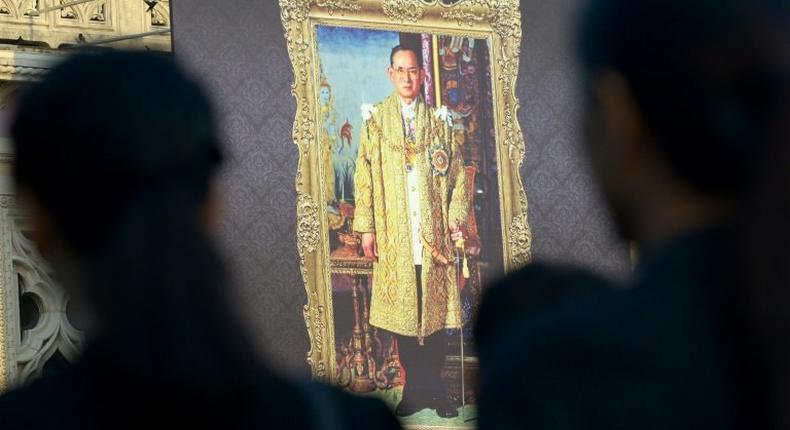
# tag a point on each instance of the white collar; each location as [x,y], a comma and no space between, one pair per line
[409,109]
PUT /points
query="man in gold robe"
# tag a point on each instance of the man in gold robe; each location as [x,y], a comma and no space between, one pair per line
[411,201]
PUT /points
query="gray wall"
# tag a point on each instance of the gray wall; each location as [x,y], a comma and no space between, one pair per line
[237,48]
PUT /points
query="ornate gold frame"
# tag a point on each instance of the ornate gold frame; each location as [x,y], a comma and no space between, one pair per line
[498,21]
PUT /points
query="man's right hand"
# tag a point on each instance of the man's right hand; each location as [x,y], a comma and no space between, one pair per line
[369,245]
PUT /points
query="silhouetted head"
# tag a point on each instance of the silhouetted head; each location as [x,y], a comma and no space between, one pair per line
[103,132]
[688,118]
[680,98]
[115,154]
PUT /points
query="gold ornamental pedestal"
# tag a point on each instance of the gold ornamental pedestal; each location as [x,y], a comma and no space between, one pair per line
[363,379]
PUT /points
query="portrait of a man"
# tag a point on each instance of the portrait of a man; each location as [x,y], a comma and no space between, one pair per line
[408,167]
[411,204]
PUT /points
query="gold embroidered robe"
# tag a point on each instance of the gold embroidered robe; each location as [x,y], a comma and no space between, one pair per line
[382,202]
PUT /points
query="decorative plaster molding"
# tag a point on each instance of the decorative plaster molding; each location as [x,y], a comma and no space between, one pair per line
[25,66]
[53,332]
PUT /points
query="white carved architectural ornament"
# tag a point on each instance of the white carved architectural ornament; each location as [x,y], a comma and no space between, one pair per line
[91,21]
[26,274]
[32,35]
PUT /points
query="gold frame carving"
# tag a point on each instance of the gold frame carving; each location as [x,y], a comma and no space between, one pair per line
[497,21]
[6,203]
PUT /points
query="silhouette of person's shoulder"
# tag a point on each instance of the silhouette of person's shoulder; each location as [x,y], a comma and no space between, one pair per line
[538,298]
[332,408]
[535,288]
[47,402]
[581,352]
[68,401]
[318,406]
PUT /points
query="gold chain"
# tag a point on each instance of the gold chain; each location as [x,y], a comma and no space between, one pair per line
[406,146]
[409,146]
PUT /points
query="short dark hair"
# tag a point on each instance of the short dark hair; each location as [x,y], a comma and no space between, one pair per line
[158,183]
[399,48]
[705,115]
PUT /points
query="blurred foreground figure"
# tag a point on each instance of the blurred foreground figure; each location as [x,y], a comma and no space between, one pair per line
[687,118]
[116,153]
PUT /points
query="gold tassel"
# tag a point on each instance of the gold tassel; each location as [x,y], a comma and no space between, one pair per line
[461,244]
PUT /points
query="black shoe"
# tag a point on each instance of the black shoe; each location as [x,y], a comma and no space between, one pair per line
[445,408]
[404,409]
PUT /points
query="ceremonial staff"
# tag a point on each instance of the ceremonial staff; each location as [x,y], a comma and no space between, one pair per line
[462,272]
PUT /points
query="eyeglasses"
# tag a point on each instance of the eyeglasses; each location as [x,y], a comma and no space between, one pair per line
[413,73]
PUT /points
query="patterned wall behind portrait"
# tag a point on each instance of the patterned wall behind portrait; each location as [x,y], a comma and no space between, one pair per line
[237,48]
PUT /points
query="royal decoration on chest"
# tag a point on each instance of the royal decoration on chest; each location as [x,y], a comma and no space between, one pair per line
[440,161]
[431,141]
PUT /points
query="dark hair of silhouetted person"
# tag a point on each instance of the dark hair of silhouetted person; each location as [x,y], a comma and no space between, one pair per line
[712,79]
[119,149]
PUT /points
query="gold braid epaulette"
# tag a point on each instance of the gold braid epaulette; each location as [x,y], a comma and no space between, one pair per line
[399,146]
[373,126]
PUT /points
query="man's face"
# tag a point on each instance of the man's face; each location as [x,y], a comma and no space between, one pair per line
[406,75]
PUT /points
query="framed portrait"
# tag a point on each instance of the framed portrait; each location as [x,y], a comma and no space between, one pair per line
[409,195]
